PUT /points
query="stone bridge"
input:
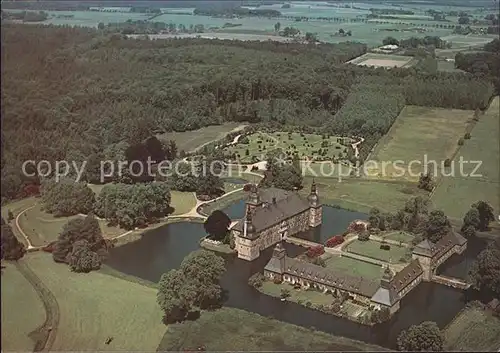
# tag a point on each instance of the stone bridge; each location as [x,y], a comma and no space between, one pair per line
[301,242]
[451,282]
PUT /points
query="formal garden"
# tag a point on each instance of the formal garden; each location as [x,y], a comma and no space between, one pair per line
[253,148]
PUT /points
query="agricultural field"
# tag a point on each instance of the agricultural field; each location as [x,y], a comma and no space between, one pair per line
[418,133]
[362,195]
[307,146]
[383,60]
[354,267]
[371,248]
[474,329]
[467,42]
[192,140]
[257,334]
[455,194]
[19,317]
[95,306]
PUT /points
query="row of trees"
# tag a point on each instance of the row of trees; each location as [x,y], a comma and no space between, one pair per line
[10,247]
[415,218]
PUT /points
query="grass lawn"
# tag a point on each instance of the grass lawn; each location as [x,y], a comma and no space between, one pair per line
[473,330]
[182,202]
[371,248]
[362,195]
[398,236]
[191,140]
[311,295]
[231,329]
[22,310]
[419,132]
[42,228]
[306,146]
[325,170]
[95,306]
[455,194]
[354,267]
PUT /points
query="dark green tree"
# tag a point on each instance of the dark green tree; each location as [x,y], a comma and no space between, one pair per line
[82,258]
[217,225]
[485,271]
[438,225]
[424,337]
[486,214]
[192,287]
[11,248]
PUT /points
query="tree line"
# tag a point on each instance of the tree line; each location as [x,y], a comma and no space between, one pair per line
[91,87]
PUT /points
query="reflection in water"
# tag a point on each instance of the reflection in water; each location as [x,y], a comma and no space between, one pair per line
[164,248]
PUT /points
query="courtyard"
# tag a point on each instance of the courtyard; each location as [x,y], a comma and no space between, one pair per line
[371,248]
[354,267]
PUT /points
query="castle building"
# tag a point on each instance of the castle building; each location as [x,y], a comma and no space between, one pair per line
[384,294]
[431,255]
[271,215]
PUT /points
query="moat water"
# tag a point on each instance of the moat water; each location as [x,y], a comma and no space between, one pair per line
[164,248]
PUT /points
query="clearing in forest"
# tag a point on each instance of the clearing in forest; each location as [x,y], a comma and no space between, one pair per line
[418,133]
[253,148]
[383,60]
[194,139]
[455,194]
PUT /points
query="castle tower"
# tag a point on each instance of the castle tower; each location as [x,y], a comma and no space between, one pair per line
[248,227]
[275,268]
[315,208]
[385,282]
[253,200]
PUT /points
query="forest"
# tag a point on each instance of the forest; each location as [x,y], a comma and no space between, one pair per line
[72,93]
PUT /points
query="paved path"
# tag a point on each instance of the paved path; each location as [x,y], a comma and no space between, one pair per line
[30,246]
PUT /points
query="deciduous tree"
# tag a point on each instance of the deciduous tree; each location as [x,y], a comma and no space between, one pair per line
[424,337]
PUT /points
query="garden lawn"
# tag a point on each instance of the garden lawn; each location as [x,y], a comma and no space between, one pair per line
[230,329]
[95,306]
[416,133]
[473,330]
[455,194]
[296,295]
[182,202]
[43,228]
[371,248]
[354,267]
[307,146]
[191,140]
[398,236]
[22,310]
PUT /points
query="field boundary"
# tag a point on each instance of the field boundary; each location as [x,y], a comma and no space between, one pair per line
[45,335]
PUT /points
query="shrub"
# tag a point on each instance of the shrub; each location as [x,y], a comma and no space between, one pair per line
[385,247]
[356,227]
[460,142]
[308,304]
[364,236]
[315,251]
[447,162]
[277,281]
[319,262]
[334,241]
[285,293]
[256,280]
[467,136]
